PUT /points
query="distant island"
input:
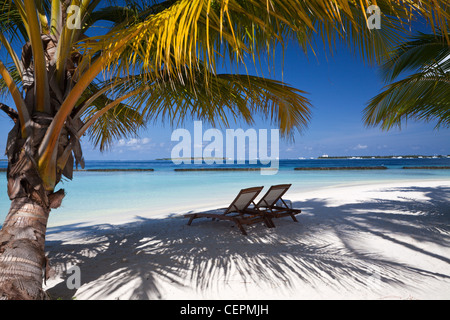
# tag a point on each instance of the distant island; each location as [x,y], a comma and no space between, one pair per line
[341,168]
[385,157]
[193,158]
[115,170]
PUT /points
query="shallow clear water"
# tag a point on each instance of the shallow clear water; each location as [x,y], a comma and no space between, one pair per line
[95,194]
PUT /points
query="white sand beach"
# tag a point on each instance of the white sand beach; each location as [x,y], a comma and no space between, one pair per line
[375,241]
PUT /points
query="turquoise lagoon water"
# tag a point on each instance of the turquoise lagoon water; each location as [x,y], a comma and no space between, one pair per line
[93,194]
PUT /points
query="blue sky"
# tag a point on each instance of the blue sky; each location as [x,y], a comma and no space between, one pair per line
[338,87]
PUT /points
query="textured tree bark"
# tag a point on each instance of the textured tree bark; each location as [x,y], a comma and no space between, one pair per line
[22,255]
[23,265]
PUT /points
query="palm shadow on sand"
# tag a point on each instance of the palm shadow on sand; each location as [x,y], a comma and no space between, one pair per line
[324,248]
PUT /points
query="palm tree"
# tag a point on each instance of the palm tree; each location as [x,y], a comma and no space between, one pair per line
[156,59]
[422,95]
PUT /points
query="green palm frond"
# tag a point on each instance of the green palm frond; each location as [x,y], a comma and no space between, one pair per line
[121,122]
[423,51]
[15,74]
[11,23]
[115,14]
[423,95]
[228,97]
[176,39]
[117,123]
[179,48]
[128,13]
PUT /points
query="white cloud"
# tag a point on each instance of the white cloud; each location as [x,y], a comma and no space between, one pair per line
[360,147]
[133,144]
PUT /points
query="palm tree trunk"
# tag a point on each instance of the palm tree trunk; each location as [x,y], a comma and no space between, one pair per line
[22,237]
[22,256]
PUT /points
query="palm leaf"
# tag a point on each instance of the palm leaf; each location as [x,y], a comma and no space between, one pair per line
[423,51]
[423,95]
[18,100]
[12,54]
[231,28]
[228,97]
[11,22]
[15,75]
[116,123]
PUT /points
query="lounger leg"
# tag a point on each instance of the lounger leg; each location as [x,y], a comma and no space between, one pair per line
[294,218]
[269,222]
[240,227]
[191,219]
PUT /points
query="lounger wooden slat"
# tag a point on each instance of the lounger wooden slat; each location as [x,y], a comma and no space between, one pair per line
[237,211]
[269,204]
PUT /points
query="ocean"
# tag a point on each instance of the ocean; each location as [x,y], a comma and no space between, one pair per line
[95,194]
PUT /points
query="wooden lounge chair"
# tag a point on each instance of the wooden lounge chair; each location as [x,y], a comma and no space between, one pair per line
[236,212]
[273,204]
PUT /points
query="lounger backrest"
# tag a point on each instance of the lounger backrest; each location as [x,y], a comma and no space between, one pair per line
[273,195]
[244,199]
